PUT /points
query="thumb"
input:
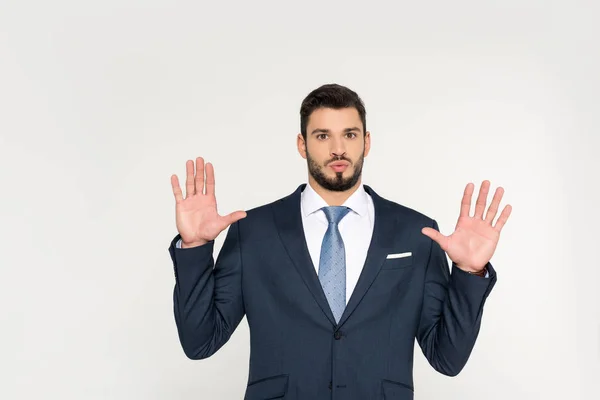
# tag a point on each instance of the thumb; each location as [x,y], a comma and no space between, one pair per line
[436,236]
[234,216]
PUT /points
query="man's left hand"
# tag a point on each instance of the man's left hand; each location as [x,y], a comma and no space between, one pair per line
[474,240]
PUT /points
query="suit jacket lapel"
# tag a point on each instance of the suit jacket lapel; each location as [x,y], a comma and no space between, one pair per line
[288,220]
[381,242]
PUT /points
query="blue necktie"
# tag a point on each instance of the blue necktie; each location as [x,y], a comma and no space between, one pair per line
[332,263]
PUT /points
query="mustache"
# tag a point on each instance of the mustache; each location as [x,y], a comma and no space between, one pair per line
[339,158]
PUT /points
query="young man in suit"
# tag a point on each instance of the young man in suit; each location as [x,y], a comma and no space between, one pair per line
[336,282]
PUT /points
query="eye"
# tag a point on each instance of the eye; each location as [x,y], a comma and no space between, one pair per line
[353,135]
[322,136]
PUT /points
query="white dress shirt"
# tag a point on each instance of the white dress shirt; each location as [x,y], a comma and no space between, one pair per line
[356,229]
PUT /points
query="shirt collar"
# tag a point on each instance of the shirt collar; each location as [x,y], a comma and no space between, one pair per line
[311,201]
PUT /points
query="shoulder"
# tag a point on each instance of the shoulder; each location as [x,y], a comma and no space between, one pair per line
[404,214]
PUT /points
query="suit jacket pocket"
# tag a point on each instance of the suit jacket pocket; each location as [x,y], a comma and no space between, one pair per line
[395,263]
[273,387]
[396,390]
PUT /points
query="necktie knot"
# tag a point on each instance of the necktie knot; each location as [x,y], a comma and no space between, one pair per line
[335,214]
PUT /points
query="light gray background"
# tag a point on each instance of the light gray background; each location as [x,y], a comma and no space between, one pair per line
[100,102]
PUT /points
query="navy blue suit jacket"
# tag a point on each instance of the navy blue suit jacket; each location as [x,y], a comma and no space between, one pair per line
[297,351]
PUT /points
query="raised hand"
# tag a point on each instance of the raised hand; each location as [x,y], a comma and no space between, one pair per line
[474,240]
[198,221]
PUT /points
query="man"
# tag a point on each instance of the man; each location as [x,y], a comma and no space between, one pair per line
[336,281]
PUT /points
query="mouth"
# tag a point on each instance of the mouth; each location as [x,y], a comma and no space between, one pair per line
[339,166]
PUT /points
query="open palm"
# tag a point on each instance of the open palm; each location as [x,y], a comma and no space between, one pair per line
[474,240]
[197,218]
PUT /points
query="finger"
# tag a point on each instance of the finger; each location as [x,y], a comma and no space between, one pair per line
[436,236]
[482,199]
[465,204]
[210,179]
[491,212]
[176,188]
[199,175]
[503,218]
[190,188]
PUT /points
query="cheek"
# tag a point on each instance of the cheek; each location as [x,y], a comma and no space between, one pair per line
[355,155]
[318,153]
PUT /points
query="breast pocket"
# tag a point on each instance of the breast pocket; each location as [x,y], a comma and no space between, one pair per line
[397,263]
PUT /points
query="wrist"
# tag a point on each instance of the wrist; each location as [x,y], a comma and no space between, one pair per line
[482,271]
[187,245]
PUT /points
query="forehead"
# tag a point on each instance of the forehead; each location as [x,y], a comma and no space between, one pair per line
[334,119]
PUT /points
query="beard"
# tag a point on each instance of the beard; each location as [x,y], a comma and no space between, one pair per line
[338,183]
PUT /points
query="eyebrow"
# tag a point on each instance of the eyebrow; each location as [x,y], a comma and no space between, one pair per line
[328,131]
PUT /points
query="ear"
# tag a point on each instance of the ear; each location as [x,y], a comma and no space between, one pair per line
[301,143]
[367,142]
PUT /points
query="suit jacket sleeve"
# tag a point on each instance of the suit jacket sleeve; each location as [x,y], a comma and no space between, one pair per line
[207,297]
[452,311]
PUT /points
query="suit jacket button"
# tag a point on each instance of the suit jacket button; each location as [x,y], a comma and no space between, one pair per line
[337,335]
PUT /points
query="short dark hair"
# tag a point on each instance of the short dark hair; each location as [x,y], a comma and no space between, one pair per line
[333,96]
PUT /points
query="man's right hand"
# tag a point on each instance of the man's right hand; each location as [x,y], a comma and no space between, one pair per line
[198,221]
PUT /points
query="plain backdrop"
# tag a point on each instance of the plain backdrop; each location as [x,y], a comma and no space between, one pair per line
[100,102]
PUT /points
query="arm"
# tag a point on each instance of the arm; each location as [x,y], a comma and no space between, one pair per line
[452,311]
[207,301]
[453,304]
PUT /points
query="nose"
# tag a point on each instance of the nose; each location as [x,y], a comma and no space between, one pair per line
[338,147]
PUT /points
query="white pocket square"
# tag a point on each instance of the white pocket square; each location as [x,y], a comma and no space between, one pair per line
[399,255]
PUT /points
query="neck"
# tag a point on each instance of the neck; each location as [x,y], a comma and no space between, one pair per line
[333,198]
